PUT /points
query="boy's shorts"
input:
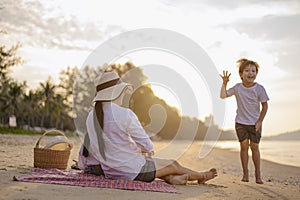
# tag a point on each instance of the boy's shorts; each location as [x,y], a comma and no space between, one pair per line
[148,171]
[247,132]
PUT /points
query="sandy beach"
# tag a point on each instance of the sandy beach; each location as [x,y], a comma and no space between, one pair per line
[281,181]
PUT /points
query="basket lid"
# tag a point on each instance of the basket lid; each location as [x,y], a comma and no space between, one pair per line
[59,143]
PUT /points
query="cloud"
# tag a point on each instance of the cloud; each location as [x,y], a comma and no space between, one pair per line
[281,36]
[271,27]
[37,75]
[288,59]
[228,4]
[232,4]
[38,25]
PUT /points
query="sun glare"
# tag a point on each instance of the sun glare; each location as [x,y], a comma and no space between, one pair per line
[174,80]
[166,94]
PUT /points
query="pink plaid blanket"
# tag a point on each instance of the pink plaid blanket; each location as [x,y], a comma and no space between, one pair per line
[78,178]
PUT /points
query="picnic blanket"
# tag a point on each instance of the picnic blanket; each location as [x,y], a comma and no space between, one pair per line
[78,178]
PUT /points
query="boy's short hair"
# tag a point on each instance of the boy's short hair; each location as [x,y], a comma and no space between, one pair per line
[243,63]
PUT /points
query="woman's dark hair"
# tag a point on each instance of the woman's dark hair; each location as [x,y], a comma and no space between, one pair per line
[99,130]
[99,112]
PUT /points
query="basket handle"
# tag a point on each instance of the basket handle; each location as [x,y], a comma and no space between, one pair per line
[47,132]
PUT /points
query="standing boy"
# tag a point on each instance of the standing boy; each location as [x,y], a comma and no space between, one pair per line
[249,117]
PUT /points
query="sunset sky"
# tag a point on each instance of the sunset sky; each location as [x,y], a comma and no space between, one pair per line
[56,34]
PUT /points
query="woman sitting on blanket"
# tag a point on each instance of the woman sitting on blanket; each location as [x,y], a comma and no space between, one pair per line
[115,141]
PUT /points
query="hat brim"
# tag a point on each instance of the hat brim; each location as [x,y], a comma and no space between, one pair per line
[111,93]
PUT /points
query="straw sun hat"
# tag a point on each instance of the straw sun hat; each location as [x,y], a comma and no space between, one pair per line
[109,86]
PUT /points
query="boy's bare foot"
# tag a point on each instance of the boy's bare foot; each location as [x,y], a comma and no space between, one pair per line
[212,173]
[245,177]
[258,178]
[178,179]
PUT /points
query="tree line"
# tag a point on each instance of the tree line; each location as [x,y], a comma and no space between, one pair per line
[65,105]
[49,105]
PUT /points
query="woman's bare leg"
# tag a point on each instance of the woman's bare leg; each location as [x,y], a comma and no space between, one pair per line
[176,179]
[244,159]
[165,167]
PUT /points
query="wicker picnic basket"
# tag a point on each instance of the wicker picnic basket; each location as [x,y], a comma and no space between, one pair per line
[49,158]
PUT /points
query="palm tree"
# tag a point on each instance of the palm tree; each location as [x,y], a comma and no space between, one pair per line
[4,104]
[15,93]
[10,98]
[47,94]
[60,111]
[8,59]
[31,106]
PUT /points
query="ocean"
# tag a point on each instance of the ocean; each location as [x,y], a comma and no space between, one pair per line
[282,152]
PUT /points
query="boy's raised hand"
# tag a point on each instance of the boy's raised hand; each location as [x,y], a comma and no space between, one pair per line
[225,77]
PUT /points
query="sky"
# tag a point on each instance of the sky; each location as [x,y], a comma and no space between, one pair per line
[56,34]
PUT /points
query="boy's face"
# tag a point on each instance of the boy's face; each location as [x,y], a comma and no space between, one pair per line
[249,74]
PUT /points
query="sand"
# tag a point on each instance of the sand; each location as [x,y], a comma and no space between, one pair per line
[281,181]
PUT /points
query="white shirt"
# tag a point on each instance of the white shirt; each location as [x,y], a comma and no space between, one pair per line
[124,139]
[248,102]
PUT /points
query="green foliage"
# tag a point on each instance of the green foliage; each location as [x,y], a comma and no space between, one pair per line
[10,90]
[48,106]
[7,130]
[8,59]
[58,105]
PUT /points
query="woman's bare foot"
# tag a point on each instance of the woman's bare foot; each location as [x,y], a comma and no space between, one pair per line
[212,173]
[176,179]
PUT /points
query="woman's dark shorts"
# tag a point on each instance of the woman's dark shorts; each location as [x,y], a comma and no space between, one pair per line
[247,132]
[94,169]
[148,171]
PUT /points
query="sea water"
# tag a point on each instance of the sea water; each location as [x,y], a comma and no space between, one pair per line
[282,152]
